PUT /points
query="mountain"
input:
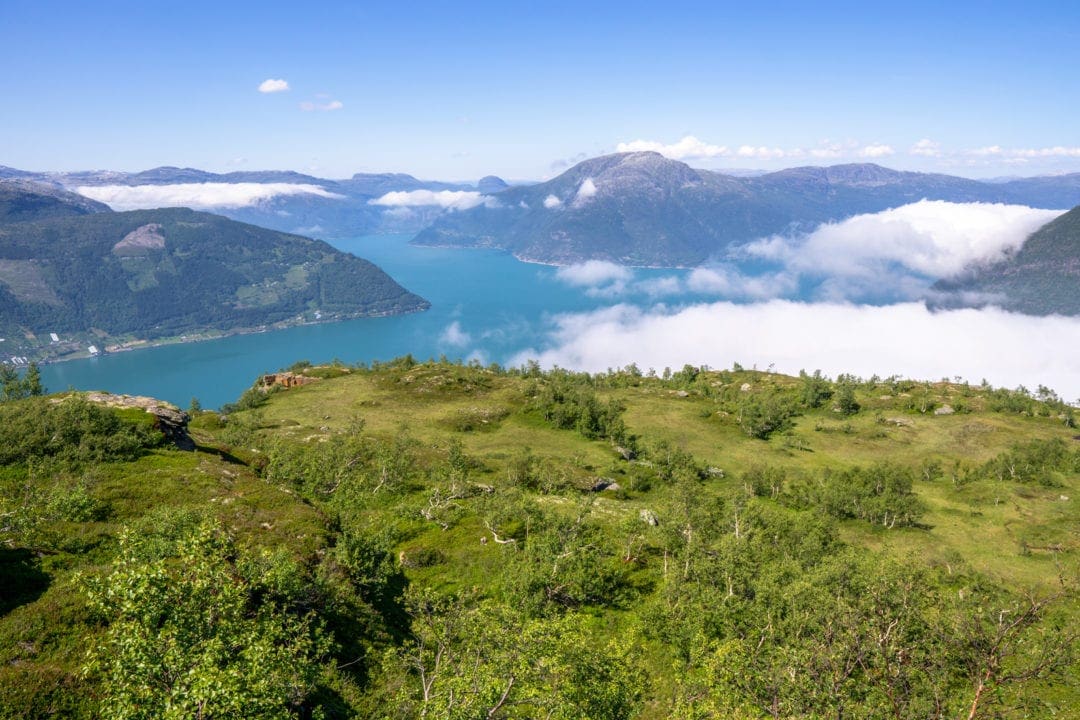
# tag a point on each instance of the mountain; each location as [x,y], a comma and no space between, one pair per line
[159,273]
[1041,278]
[491,184]
[322,207]
[644,209]
[23,200]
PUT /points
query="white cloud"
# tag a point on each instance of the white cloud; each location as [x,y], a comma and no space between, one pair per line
[1047,152]
[586,190]
[449,199]
[763,153]
[904,339]
[198,196]
[272,85]
[899,248]
[454,336]
[827,151]
[551,202]
[330,105]
[1057,151]
[926,148]
[659,287]
[593,273]
[728,282]
[689,148]
[876,151]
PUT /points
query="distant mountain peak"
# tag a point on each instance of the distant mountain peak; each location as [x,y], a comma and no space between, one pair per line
[642,208]
[490,184]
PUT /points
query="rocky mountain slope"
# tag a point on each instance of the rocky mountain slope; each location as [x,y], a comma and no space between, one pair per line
[644,209]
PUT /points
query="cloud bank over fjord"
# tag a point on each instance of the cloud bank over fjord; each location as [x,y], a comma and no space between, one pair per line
[197,196]
[895,254]
[446,199]
[593,273]
[905,339]
[930,237]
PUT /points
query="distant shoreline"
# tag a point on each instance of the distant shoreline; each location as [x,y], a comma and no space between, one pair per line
[204,336]
[548,263]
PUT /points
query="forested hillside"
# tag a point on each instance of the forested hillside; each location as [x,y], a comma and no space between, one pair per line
[158,273]
[1041,278]
[445,541]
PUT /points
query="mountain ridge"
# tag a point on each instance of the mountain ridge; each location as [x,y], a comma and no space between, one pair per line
[645,209]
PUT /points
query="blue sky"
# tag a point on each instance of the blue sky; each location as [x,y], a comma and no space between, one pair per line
[457,91]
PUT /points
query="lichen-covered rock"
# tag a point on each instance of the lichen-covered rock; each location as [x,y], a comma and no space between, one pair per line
[169,419]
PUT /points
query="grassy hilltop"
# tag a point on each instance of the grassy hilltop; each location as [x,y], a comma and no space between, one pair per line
[438,540]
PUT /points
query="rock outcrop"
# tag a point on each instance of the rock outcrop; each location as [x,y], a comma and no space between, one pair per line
[169,419]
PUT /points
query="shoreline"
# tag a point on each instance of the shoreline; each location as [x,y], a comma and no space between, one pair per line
[145,344]
[549,263]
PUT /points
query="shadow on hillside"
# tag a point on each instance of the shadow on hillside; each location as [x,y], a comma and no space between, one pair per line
[21,580]
[224,455]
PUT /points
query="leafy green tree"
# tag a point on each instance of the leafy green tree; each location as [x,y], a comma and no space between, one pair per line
[762,415]
[470,659]
[845,398]
[31,382]
[816,389]
[187,637]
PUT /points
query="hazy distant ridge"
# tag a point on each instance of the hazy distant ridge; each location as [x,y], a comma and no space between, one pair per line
[645,209]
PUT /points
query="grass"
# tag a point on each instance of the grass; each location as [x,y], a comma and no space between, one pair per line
[993,528]
[1021,535]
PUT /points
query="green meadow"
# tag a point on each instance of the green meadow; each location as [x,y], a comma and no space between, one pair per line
[454,541]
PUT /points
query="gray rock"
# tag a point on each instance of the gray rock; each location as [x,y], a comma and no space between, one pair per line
[169,419]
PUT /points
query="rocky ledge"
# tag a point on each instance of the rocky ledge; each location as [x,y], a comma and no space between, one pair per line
[169,419]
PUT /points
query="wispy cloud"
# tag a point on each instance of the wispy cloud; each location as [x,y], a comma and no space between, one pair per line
[904,339]
[926,148]
[326,106]
[876,151]
[454,336]
[689,148]
[273,85]
[763,153]
[593,273]
[586,190]
[449,199]
[198,196]
[727,281]
[551,202]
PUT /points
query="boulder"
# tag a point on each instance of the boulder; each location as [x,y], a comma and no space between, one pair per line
[169,419]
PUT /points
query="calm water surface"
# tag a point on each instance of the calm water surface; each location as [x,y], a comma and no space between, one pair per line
[499,305]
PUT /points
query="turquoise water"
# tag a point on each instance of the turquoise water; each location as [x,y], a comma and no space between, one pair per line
[500,307]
